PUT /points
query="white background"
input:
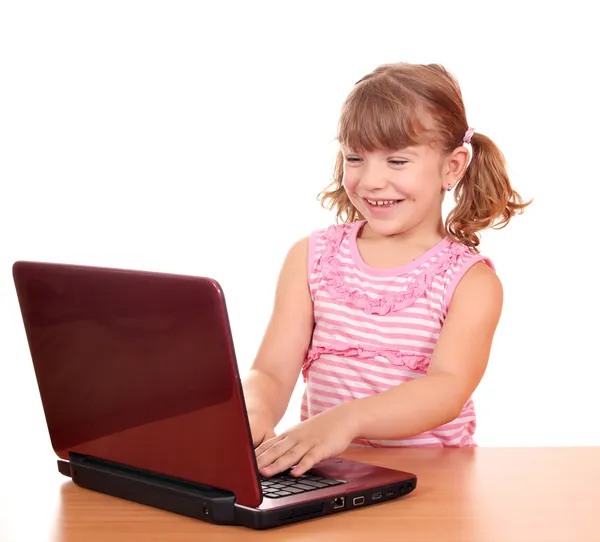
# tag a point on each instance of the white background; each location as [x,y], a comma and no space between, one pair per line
[176,137]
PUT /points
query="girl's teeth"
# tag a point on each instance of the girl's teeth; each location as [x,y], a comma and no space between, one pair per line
[379,203]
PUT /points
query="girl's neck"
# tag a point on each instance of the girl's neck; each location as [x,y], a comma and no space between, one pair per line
[420,236]
[393,254]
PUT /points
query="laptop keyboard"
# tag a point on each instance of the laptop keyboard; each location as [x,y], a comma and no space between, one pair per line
[284,485]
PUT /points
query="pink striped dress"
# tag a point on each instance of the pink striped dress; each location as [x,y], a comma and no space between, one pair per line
[377,328]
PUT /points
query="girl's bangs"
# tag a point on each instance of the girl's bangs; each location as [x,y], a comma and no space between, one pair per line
[373,120]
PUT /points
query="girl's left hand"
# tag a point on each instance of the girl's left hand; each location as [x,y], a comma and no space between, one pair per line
[316,439]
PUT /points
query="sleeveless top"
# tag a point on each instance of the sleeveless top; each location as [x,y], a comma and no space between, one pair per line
[377,328]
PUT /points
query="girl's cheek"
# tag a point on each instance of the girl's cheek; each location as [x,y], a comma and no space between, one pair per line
[348,183]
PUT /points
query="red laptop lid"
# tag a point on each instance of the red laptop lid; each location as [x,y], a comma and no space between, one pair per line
[139,368]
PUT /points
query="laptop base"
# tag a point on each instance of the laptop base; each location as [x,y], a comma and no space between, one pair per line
[210,504]
[177,496]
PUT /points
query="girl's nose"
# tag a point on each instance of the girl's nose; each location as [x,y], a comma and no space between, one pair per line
[372,179]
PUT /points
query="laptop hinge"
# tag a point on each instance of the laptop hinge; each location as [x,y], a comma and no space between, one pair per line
[163,492]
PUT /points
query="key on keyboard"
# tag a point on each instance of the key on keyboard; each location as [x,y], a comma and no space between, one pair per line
[284,485]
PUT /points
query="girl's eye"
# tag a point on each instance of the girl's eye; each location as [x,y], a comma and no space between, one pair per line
[352,159]
[398,162]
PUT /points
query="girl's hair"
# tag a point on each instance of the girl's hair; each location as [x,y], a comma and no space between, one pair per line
[393,107]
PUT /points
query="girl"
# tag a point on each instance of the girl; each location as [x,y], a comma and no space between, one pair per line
[390,314]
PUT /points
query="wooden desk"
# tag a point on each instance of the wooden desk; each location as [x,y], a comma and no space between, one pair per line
[481,495]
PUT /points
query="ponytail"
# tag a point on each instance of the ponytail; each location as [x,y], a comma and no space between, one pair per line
[484,197]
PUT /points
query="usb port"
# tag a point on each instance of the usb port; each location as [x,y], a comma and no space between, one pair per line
[376,496]
[357,501]
[389,493]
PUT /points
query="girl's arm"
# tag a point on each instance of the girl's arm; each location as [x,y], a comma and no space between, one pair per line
[417,406]
[458,364]
[274,373]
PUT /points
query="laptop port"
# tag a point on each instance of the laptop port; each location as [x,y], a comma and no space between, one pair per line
[339,502]
[357,501]
[376,496]
[389,493]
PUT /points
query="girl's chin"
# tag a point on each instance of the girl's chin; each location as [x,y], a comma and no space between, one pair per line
[384,228]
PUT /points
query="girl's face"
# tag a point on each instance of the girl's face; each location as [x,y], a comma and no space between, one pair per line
[401,191]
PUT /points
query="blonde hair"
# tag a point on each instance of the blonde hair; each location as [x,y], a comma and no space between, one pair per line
[386,110]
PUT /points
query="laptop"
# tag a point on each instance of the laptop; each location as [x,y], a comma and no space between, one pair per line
[142,397]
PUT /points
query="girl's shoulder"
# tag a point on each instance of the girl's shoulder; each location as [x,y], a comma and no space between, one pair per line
[328,240]
[334,233]
[460,259]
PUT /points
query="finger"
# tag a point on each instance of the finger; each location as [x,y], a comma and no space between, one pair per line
[268,443]
[259,442]
[267,436]
[275,451]
[287,460]
[308,461]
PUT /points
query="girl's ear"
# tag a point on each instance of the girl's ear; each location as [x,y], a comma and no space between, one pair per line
[455,166]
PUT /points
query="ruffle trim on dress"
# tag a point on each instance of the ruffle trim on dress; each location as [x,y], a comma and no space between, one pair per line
[385,304]
[413,362]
